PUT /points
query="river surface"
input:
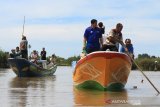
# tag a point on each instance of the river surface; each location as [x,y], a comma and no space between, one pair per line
[58,91]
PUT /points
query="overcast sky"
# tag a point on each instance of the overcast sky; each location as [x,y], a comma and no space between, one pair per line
[58,25]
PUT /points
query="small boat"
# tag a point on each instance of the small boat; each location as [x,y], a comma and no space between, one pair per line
[102,70]
[25,68]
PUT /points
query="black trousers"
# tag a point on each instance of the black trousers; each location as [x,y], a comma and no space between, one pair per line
[110,47]
[89,50]
[43,58]
[24,54]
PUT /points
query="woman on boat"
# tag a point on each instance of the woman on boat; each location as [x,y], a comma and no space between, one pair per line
[34,56]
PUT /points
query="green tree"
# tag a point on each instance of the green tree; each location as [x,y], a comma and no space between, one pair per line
[71,59]
[145,55]
[3,59]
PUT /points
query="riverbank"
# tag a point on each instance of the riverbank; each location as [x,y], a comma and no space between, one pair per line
[145,61]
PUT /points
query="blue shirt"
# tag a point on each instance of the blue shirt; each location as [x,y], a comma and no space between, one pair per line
[129,47]
[92,36]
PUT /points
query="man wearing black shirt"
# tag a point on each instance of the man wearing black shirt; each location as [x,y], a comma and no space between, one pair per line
[43,54]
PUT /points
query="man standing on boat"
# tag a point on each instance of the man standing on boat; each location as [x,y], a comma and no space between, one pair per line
[114,38]
[92,38]
[24,47]
[43,54]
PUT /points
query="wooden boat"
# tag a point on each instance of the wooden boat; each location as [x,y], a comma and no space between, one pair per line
[102,70]
[25,68]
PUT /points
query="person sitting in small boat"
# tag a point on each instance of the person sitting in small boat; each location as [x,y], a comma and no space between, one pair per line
[53,59]
[18,52]
[43,54]
[92,38]
[113,39]
[129,47]
[13,53]
[34,56]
